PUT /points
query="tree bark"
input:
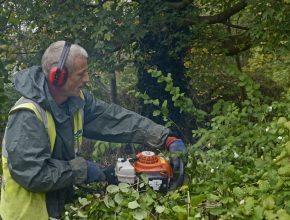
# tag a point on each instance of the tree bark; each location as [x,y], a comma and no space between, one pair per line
[113,93]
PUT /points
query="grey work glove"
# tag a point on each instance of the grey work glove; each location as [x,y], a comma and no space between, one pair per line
[79,169]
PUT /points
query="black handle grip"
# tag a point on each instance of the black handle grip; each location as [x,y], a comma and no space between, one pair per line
[179,181]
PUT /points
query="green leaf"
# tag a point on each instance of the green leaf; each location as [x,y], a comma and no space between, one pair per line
[135,194]
[270,215]
[118,198]
[196,200]
[84,201]
[124,187]
[118,209]
[180,211]
[217,211]
[283,215]
[281,120]
[156,113]
[249,204]
[164,104]
[269,203]
[175,195]
[287,147]
[139,214]
[73,208]
[133,205]
[107,36]
[156,102]
[112,189]
[159,209]
[124,215]
[258,212]
[144,178]
[147,198]
[238,192]
[263,185]
[226,200]
[284,170]
[81,214]
[212,197]
[109,202]
[108,5]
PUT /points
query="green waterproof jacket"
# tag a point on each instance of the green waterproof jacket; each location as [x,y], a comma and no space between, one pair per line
[27,145]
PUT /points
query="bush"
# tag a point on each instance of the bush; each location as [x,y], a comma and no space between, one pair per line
[238,169]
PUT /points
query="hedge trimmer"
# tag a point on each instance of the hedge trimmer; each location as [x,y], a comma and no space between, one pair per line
[157,169]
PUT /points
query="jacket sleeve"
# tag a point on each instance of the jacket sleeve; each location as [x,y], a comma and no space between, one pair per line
[29,155]
[110,122]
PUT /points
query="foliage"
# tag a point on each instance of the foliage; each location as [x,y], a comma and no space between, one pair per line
[184,104]
[208,86]
[126,202]
[162,34]
[102,148]
[3,100]
[270,69]
[240,157]
[238,169]
[7,104]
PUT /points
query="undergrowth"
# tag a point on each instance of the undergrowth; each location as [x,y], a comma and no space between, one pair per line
[238,169]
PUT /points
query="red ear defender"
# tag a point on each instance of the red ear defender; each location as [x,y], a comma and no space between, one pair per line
[55,78]
[58,74]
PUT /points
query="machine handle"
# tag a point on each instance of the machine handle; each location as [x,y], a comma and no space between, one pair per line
[179,181]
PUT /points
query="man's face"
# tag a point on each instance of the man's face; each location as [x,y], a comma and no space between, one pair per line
[76,80]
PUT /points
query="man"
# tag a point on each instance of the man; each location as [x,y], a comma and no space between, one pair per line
[45,129]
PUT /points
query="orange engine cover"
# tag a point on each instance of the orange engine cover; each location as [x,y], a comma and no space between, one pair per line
[149,162]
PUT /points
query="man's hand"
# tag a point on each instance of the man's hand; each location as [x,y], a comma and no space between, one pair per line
[94,172]
[110,175]
[177,150]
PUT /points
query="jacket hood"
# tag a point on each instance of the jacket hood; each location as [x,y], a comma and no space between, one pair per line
[30,83]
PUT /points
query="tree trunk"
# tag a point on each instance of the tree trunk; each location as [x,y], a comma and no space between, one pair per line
[113,93]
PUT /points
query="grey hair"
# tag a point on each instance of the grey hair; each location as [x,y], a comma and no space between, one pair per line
[52,54]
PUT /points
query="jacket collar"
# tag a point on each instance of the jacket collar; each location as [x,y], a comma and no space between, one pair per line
[31,84]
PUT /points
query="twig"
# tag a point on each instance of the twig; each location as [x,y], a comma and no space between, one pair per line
[235,26]
[188,203]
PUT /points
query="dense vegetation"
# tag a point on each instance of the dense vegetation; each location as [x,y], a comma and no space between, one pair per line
[215,72]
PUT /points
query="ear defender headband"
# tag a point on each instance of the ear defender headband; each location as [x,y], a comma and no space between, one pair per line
[58,74]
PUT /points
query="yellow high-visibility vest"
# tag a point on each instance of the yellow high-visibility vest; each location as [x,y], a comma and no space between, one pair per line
[17,203]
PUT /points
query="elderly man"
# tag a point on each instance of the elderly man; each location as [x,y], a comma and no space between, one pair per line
[45,130]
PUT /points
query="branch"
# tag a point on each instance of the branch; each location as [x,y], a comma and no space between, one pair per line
[236,44]
[225,15]
[235,26]
[24,53]
[218,18]
[179,5]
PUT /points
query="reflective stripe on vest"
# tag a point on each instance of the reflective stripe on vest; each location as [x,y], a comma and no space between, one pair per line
[17,203]
[42,115]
